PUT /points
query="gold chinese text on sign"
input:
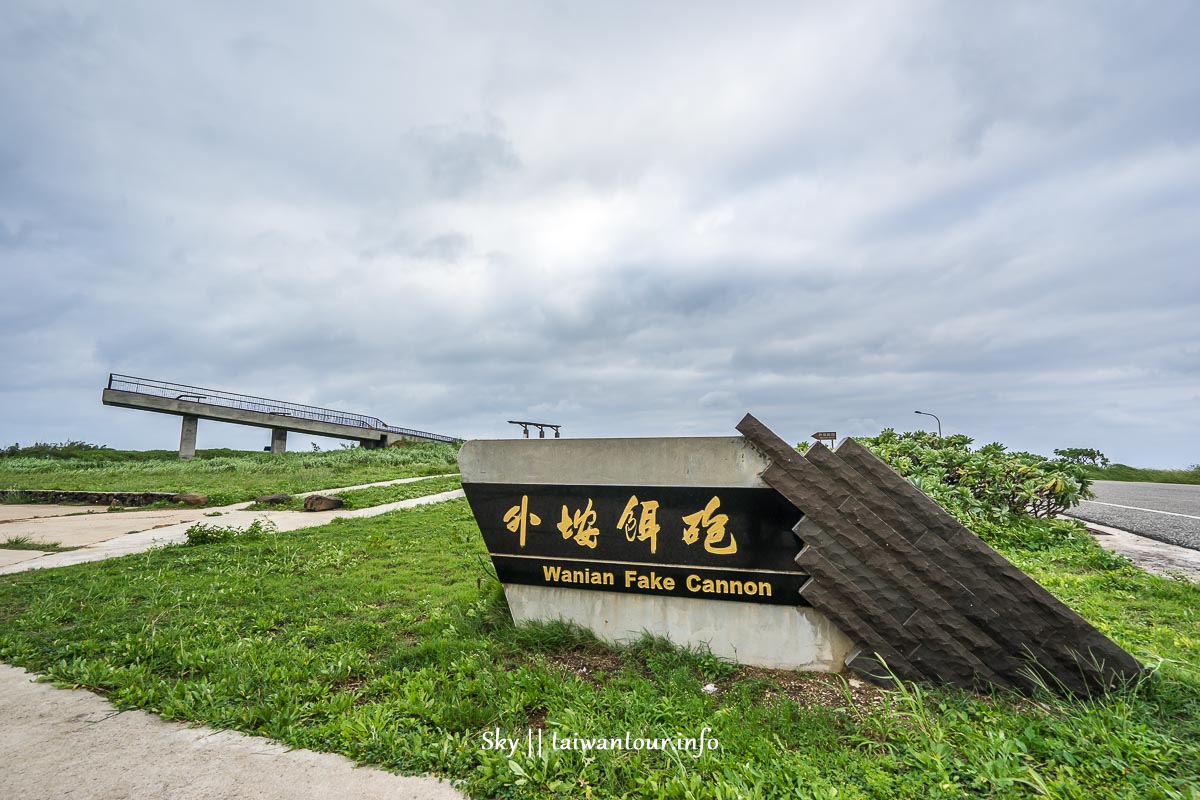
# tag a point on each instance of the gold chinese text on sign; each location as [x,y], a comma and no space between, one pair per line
[518,518]
[713,525]
[639,522]
[581,526]
[645,526]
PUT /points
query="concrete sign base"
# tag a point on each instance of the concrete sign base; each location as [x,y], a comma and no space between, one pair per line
[778,637]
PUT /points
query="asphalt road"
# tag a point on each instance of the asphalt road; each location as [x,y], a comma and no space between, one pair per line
[1168,512]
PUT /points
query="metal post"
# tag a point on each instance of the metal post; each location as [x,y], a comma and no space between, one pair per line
[935,416]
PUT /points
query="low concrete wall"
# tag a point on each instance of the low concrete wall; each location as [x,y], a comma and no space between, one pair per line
[129,499]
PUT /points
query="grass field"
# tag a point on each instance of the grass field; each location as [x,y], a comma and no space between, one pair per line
[387,639]
[225,476]
[377,495]
[1121,472]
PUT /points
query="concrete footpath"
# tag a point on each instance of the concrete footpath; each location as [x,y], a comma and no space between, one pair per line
[57,743]
[108,535]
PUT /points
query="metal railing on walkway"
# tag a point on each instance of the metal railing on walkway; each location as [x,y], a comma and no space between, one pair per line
[246,402]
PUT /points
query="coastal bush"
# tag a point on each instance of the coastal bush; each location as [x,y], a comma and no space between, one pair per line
[988,483]
[1086,456]
[68,449]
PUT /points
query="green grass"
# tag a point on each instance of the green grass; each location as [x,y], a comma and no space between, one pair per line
[376,495]
[387,639]
[226,477]
[26,543]
[1122,472]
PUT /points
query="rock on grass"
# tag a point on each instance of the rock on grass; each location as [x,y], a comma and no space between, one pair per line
[321,502]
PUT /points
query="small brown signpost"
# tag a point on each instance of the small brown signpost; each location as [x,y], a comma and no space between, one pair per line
[825,436]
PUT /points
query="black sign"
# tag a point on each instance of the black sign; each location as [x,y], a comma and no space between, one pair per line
[716,543]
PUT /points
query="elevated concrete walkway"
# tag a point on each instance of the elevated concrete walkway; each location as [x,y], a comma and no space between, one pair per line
[194,403]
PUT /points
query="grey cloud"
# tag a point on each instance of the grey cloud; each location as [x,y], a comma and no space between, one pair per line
[458,161]
[632,220]
[444,247]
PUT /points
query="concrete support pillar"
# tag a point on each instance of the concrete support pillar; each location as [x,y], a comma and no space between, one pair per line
[187,438]
[278,441]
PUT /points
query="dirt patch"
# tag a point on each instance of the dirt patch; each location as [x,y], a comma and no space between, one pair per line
[812,689]
[586,664]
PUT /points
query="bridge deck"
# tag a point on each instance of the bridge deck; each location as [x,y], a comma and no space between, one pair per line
[193,401]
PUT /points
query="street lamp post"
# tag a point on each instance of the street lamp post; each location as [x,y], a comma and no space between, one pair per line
[935,416]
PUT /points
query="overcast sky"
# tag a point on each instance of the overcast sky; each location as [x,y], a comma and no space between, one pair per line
[630,219]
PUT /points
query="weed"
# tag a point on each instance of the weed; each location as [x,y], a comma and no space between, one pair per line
[27,543]
[202,533]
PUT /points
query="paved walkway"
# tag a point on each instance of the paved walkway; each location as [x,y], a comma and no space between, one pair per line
[109,535]
[19,512]
[69,743]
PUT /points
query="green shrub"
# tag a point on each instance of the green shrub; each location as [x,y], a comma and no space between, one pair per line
[202,533]
[989,483]
[69,449]
[1086,456]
